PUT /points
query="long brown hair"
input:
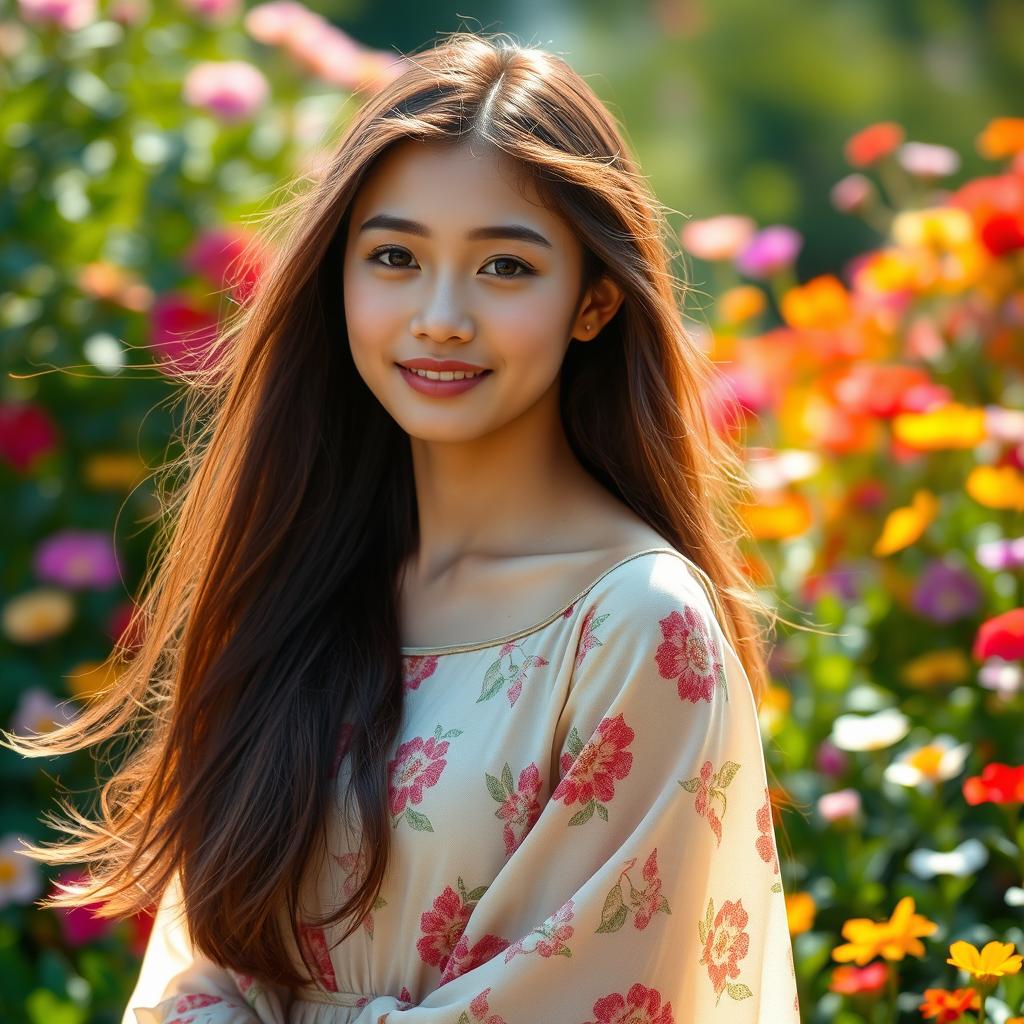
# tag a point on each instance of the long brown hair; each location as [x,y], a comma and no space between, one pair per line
[268,615]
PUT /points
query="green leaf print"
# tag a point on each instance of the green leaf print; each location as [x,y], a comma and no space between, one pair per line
[418,821]
[494,788]
[603,811]
[581,817]
[613,914]
[574,744]
[506,778]
[738,990]
[727,773]
[493,682]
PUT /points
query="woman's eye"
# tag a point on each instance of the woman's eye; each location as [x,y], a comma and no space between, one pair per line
[373,257]
[509,261]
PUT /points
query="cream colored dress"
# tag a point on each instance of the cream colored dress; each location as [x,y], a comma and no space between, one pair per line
[582,833]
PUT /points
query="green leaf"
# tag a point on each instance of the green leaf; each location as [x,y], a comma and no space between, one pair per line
[574,743]
[506,778]
[613,913]
[727,773]
[603,811]
[418,821]
[690,785]
[583,816]
[494,788]
[739,991]
[492,683]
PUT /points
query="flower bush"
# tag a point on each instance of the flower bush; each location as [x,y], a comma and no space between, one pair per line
[878,406]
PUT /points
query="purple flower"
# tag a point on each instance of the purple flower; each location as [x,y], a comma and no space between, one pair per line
[946,592]
[830,760]
[997,555]
[232,90]
[770,251]
[78,559]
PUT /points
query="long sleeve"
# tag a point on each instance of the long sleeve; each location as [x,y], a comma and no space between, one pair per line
[648,889]
[176,984]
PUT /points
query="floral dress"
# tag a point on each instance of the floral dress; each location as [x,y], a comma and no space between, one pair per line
[582,835]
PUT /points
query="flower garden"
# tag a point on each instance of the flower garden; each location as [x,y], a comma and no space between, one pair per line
[878,406]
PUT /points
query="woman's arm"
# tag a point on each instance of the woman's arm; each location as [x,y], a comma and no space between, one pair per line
[177,983]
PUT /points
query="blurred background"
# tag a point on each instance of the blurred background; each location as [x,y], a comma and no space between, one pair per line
[847,184]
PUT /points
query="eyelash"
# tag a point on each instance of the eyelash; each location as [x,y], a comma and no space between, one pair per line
[526,270]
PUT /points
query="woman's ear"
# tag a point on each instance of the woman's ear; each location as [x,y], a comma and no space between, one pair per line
[600,303]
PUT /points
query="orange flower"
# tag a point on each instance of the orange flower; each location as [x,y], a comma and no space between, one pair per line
[821,303]
[799,911]
[789,516]
[741,303]
[892,939]
[905,525]
[946,1006]
[990,964]
[873,143]
[1002,136]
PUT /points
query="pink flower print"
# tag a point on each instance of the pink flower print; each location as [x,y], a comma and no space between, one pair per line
[589,771]
[725,943]
[417,765]
[688,655]
[341,747]
[711,785]
[480,1011]
[354,864]
[416,669]
[588,638]
[765,843]
[404,999]
[643,902]
[442,926]
[520,808]
[464,958]
[549,938]
[511,669]
[314,947]
[641,1005]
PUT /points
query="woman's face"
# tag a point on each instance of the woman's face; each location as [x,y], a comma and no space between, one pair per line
[446,260]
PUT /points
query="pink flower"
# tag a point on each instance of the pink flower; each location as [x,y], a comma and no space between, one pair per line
[718,238]
[549,938]
[227,258]
[27,433]
[603,760]
[181,334]
[840,805]
[688,655]
[520,809]
[442,927]
[416,669]
[464,958]
[232,90]
[314,946]
[925,160]
[66,14]
[79,925]
[646,902]
[765,843]
[853,193]
[726,944]
[417,765]
[213,10]
[273,23]
[77,559]
[770,251]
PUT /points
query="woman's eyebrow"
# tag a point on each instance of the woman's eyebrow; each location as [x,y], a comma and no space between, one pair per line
[519,232]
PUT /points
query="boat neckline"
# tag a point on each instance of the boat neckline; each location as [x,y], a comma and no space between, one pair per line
[527,630]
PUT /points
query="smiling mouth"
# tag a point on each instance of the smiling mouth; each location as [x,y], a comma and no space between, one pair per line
[444,374]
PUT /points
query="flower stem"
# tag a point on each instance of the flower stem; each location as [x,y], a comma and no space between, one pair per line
[894,991]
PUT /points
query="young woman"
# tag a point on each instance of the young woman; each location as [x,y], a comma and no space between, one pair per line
[446,706]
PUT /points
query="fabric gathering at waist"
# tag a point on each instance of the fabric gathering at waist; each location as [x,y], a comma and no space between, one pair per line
[332,998]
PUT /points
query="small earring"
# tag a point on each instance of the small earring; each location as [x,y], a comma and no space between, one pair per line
[589,327]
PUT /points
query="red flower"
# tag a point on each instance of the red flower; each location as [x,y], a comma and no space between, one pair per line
[27,433]
[849,980]
[442,927]
[549,938]
[725,944]
[1001,637]
[228,258]
[947,1007]
[688,655]
[314,946]
[872,143]
[641,1005]
[588,638]
[464,959]
[417,765]
[481,1011]
[997,784]
[181,334]
[646,902]
[602,760]
[520,809]
[416,669]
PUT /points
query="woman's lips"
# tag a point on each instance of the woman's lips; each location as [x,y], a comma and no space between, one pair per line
[440,388]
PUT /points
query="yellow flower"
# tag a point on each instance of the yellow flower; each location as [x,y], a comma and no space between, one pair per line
[88,678]
[741,303]
[892,939]
[938,227]
[949,426]
[994,961]
[937,668]
[996,487]
[822,303]
[113,471]
[37,615]
[905,525]
[800,910]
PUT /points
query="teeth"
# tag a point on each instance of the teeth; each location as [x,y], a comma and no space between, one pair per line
[445,374]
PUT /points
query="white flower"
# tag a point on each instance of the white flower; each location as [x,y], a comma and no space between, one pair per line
[20,878]
[965,860]
[934,762]
[1005,677]
[870,732]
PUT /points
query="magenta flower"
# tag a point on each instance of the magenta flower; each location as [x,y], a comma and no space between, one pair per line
[79,925]
[181,334]
[946,593]
[66,14]
[27,433]
[227,258]
[78,559]
[852,193]
[770,251]
[232,90]
[998,555]
[830,760]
